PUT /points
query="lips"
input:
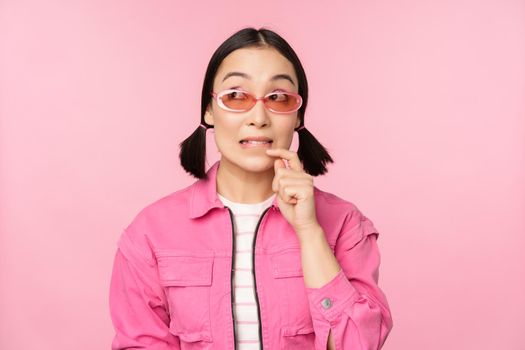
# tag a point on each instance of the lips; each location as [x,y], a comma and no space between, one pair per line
[256,139]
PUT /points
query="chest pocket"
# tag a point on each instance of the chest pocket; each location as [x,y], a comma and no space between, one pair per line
[187,277]
[296,320]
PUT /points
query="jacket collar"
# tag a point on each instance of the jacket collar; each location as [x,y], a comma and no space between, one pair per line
[204,194]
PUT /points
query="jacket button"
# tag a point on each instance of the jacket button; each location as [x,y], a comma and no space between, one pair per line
[327,303]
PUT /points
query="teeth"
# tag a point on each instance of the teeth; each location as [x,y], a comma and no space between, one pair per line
[255,142]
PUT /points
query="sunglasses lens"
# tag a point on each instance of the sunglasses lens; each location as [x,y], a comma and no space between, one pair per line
[237,100]
[280,102]
[283,102]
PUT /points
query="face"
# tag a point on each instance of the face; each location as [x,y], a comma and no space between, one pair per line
[259,65]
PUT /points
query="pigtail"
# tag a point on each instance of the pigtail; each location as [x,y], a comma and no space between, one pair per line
[193,153]
[313,155]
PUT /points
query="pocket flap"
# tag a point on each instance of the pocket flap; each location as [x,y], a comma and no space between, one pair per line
[287,263]
[292,331]
[176,269]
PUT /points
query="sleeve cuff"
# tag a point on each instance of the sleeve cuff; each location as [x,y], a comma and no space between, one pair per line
[329,300]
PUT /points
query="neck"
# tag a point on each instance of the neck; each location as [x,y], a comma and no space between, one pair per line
[243,186]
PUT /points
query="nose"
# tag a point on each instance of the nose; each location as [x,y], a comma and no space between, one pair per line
[259,114]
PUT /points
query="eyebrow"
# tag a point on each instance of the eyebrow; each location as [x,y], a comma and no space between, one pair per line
[246,76]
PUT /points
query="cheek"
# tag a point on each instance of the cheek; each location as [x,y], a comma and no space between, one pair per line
[226,133]
[285,130]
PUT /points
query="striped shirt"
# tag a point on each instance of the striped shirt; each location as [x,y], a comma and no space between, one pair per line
[246,322]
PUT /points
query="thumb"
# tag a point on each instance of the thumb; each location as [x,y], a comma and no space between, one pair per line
[278,163]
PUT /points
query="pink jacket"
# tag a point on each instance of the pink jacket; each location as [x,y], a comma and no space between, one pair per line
[172,278]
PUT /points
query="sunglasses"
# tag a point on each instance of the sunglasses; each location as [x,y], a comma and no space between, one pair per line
[236,100]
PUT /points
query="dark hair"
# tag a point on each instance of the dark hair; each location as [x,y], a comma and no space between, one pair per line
[193,149]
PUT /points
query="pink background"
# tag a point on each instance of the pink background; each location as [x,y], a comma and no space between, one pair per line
[428,135]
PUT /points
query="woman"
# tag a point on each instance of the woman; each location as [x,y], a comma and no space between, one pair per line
[252,255]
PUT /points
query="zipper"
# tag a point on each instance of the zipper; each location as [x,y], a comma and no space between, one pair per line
[253,274]
[254,281]
[231,276]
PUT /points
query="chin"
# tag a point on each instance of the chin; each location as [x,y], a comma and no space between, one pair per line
[256,164]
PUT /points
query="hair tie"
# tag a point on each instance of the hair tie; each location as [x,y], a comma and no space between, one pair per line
[204,126]
[299,128]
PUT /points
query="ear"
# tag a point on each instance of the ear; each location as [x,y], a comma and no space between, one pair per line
[208,116]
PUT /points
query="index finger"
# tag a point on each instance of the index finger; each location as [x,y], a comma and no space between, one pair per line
[290,156]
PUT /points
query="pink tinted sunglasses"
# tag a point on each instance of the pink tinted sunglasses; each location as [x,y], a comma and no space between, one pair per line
[279,101]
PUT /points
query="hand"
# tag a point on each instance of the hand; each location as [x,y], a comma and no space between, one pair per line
[295,190]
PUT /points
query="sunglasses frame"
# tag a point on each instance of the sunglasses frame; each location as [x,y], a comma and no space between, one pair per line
[218,99]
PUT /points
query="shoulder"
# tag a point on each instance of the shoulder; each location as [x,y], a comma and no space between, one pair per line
[333,206]
[174,202]
[136,238]
[341,218]
[332,200]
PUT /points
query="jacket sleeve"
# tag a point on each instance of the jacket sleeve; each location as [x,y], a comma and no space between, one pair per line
[352,305]
[137,302]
